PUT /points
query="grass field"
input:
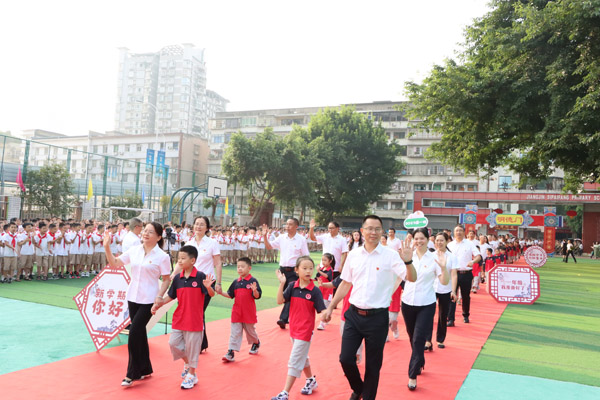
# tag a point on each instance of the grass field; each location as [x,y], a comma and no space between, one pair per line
[60,293]
[558,336]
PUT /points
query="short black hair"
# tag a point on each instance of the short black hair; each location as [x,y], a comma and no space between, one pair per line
[246,260]
[190,251]
[372,216]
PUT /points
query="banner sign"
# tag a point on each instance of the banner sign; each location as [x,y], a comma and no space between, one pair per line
[103,305]
[160,163]
[416,220]
[549,240]
[149,160]
[14,207]
[518,284]
[535,256]
[471,208]
[550,210]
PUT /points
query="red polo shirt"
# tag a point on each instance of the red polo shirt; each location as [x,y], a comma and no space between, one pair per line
[189,292]
[303,304]
[244,305]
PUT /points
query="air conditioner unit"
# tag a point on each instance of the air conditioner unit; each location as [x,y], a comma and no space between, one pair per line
[402,195]
[441,173]
[533,211]
[174,186]
[428,172]
[449,178]
[410,172]
[121,153]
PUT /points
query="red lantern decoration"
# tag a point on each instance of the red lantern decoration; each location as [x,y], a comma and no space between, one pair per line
[498,211]
[572,213]
[521,212]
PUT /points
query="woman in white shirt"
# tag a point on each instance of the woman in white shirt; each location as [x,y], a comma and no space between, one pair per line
[148,264]
[443,293]
[208,261]
[418,299]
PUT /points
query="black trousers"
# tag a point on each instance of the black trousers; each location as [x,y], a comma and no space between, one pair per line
[566,258]
[137,345]
[204,345]
[444,301]
[373,329]
[419,323]
[290,276]
[464,282]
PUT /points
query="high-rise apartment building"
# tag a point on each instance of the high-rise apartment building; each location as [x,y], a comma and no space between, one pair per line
[165,92]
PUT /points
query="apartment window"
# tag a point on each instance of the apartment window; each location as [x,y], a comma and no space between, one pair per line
[471,188]
[127,148]
[504,182]
[396,205]
[196,164]
[138,147]
[95,149]
[402,150]
[399,135]
[381,205]
[116,148]
[175,145]
[218,139]
[420,186]
[409,205]
[105,149]
[440,204]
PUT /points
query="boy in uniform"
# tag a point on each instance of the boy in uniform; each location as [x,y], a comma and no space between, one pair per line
[98,258]
[27,249]
[244,290]
[189,287]
[42,252]
[10,252]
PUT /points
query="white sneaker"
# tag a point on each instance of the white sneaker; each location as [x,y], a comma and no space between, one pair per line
[311,384]
[283,395]
[321,326]
[189,381]
[396,334]
[126,382]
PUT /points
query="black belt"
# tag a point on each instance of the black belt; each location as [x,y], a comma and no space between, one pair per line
[464,271]
[286,269]
[366,313]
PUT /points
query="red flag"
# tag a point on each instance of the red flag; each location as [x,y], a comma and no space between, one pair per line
[20,180]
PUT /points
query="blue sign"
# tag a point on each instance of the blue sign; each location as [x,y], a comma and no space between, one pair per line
[149,160]
[160,163]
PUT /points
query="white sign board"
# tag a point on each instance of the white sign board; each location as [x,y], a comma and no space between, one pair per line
[14,207]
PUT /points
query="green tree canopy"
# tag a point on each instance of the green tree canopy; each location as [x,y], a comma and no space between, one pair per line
[524,93]
[357,162]
[51,189]
[279,167]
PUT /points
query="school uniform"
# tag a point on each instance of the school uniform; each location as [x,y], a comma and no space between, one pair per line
[326,292]
[188,317]
[98,258]
[42,252]
[243,312]
[290,249]
[10,254]
[27,250]
[304,304]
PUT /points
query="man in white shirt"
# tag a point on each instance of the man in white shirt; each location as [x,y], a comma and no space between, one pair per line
[374,272]
[132,238]
[291,246]
[333,243]
[466,255]
[393,242]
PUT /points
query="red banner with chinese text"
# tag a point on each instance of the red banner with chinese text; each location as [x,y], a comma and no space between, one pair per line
[549,239]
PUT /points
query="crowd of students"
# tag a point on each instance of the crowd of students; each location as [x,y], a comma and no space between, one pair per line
[423,270]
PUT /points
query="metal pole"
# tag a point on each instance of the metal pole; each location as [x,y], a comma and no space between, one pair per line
[2,167]
[137,178]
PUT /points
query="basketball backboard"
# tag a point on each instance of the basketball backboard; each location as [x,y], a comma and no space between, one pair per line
[217,187]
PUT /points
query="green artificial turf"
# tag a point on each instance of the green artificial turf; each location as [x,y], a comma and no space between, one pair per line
[558,337]
[60,293]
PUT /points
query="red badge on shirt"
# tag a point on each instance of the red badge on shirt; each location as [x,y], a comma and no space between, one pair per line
[194,284]
[247,286]
[308,296]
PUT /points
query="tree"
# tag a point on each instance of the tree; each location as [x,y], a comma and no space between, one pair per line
[575,223]
[130,200]
[51,189]
[357,162]
[279,168]
[523,93]
[211,202]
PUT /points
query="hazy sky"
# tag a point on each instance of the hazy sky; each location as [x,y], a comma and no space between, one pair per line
[59,58]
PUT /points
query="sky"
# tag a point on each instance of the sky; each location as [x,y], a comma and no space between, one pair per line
[59,63]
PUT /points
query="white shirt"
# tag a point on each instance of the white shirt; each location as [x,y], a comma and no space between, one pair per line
[450,265]
[207,248]
[42,241]
[60,247]
[290,249]
[87,247]
[27,248]
[483,250]
[76,238]
[421,291]
[7,238]
[97,237]
[464,252]
[335,245]
[145,271]
[373,275]
[130,240]
[394,243]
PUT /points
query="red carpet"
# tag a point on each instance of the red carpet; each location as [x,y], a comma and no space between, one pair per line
[98,375]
